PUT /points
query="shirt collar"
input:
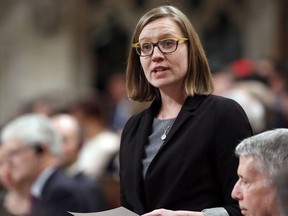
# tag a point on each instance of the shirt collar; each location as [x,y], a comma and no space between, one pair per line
[40,182]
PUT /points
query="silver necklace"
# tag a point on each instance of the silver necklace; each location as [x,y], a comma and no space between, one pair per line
[164,135]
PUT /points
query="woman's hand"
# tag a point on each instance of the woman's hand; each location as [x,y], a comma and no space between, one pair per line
[165,212]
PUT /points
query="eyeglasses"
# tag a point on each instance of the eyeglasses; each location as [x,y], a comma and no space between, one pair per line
[167,45]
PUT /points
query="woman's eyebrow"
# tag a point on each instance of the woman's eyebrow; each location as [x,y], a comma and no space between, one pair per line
[160,37]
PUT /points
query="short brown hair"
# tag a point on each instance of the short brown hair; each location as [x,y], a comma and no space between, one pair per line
[198,78]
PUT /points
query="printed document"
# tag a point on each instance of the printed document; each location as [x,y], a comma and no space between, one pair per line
[120,211]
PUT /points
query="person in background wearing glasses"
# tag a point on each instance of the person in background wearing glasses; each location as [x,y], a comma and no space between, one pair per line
[14,196]
[178,153]
[30,149]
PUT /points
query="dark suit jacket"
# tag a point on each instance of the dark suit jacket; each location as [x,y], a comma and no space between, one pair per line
[60,194]
[95,190]
[195,167]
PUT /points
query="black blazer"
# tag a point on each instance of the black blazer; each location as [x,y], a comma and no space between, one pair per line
[195,167]
[60,194]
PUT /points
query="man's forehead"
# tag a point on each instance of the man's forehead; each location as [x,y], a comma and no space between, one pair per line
[248,166]
[11,143]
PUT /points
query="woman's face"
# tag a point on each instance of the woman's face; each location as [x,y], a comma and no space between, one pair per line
[164,71]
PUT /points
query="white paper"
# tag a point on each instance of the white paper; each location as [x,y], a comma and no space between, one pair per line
[120,211]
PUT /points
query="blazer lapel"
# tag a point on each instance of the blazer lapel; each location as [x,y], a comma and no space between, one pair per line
[142,139]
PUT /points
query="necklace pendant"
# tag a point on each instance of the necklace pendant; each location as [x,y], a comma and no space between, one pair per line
[163,137]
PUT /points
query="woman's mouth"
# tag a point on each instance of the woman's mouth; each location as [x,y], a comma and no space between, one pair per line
[157,70]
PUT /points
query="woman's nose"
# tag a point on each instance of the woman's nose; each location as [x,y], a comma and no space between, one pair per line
[157,54]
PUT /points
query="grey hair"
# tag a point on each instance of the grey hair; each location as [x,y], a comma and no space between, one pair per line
[270,148]
[32,130]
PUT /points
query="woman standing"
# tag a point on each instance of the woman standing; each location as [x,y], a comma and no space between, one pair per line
[177,154]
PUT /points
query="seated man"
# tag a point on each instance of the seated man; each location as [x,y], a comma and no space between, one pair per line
[261,158]
[72,140]
[31,148]
[14,199]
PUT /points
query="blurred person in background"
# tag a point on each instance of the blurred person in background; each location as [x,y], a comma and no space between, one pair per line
[31,150]
[45,104]
[265,67]
[262,157]
[275,76]
[72,140]
[253,107]
[122,108]
[14,199]
[278,83]
[241,82]
[100,148]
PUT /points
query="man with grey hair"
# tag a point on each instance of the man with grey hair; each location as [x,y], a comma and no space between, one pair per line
[261,158]
[31,147]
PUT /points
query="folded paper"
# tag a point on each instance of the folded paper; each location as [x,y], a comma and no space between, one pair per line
[120,211]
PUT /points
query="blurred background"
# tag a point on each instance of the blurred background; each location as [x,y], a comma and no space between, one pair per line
[65,48]
[69,56]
